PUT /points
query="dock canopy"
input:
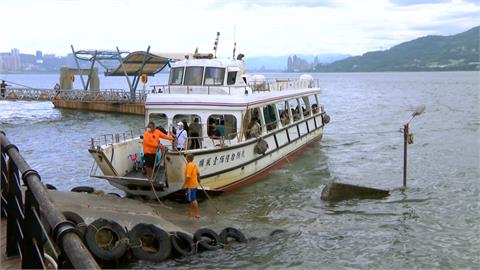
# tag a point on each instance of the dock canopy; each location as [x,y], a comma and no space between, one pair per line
[141,62]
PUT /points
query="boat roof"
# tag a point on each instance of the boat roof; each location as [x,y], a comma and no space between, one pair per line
[222,102]
[215,62]
[145,63]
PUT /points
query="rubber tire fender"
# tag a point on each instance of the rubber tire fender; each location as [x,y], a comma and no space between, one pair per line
[77,220]
[202,244]
[177,239]
[106,255]
[230,232]
[135,236]
[86,189]
[50,187]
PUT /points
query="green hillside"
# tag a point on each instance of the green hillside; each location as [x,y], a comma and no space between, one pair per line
[430,53]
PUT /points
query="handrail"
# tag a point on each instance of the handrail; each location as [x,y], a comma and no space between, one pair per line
[25,232]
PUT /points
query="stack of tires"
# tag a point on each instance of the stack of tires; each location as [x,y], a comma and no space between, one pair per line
[111,244]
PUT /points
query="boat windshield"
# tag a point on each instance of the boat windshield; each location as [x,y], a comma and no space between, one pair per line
[193,76]
[176,76]
[214,76]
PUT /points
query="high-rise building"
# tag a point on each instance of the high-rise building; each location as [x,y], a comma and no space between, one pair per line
[39,57]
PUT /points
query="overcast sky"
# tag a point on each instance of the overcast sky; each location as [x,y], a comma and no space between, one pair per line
[263,27]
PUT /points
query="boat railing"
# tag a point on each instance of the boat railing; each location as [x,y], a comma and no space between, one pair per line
[111,138]
[37,232]
[199,89]
[281,84]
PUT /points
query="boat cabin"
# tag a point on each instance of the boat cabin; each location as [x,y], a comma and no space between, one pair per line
[222,107]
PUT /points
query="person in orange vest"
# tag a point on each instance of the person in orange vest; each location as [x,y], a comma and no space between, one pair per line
[151,144]
[192,178]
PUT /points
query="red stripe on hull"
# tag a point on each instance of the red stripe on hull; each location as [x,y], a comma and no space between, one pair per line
[277,164]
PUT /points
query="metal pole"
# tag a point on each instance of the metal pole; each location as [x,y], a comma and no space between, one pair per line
[91,70]
[405,146]
[78,67]
[124,70]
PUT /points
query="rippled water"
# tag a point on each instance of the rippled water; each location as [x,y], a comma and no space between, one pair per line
[435,223]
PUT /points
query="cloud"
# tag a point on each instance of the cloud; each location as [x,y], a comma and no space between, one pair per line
[263,27]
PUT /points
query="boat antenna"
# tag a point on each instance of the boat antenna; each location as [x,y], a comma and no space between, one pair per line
[215,45]
[234,43]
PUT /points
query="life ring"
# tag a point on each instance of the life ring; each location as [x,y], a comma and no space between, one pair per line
[86,189]
[182,244]
[105,240]
[232,233]
[148,242]
[206,239]
[77,220]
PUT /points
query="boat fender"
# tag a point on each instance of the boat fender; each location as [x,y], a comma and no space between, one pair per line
[50,186]
[148,242]
[77,220]
[325,118]
[232,233]
[86,189]
[206,239]
[182,244]
[261,147]
[106,240]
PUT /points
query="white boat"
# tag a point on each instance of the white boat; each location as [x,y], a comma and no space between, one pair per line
[217,91]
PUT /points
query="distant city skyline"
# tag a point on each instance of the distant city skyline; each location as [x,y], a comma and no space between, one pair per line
[263,27]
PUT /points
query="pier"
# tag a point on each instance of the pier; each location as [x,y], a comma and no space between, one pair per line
[112,100]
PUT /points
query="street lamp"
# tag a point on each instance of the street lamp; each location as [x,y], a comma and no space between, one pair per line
[408,139]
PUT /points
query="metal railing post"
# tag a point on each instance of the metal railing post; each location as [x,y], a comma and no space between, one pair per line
[33,241]
[15,219]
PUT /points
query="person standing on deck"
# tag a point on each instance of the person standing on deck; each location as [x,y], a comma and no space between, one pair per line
[192,179]
[182,136]
[195,130]
[151,143]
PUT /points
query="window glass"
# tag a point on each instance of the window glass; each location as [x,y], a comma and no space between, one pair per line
[176,75]
[222,125]
[283,111]
[252,123]
[232,77]
[306,110]
[192,124]
[160,119]
[270,117]
[193,76]
[214,76]
[314,103]
[295,109]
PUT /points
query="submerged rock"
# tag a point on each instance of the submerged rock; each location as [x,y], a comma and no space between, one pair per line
[339,191]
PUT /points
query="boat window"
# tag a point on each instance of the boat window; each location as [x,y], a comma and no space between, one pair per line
[222,125]
[214,76]
[295,109]
[306,110]
[270,117]
[192,124]
[314,103]
[232,77]
[283,111]
[176,76]
[160,120]
[251,121]
[193,76]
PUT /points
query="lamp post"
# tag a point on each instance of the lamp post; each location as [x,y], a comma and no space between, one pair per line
[408,139]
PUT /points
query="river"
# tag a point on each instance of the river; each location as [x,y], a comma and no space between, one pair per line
[435,223]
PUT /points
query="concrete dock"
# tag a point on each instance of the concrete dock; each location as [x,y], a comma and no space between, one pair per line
[127,212]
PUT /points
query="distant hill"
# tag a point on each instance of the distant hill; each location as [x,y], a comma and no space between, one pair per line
[430,53]
[279,63]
